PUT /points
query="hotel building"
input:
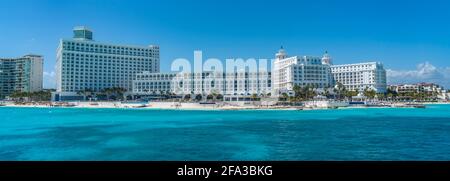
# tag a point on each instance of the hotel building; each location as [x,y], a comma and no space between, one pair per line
[147,83]
[22,74]
[83,63]
[427,88]
[301,71]
[358,77]
[238,84]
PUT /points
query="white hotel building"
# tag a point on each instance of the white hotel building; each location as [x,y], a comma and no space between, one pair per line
[239,84]
[83,63]
[357,77]
[287,72]
[301,71]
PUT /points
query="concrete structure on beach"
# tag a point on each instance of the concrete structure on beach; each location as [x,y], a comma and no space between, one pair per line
[22,74]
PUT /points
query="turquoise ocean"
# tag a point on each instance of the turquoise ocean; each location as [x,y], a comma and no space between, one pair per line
[145,134]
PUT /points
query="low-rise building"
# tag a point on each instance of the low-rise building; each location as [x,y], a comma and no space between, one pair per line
[426,88]
[205,83]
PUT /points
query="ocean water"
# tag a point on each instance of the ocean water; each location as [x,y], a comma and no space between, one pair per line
[139,134]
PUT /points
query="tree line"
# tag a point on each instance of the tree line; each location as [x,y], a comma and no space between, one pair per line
[31,96]
[113,93]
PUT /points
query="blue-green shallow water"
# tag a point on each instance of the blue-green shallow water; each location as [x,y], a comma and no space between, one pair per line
[125,134]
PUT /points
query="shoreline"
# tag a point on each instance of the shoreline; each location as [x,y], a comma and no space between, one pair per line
[202,107]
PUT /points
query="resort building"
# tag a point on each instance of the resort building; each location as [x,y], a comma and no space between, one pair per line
[427,88]
[84,64]
[405,88]
[147,83]
[301,71]
[358,77]
[22,74]
[240,84]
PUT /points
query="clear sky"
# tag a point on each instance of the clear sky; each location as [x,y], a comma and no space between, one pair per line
[412,38]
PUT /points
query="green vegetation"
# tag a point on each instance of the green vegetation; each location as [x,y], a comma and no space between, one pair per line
[369,93]
[114,93]
[31,96]
[350,94]
[198,97]
[87,93]
[340,91]
[303,93]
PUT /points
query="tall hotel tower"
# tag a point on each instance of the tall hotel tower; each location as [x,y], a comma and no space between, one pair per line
[22,74]
[84,64]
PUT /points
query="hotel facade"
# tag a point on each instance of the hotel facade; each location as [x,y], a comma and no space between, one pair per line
[22,74]
[239,84]
[361,76]
[84,64]
[301,71]
[287,72]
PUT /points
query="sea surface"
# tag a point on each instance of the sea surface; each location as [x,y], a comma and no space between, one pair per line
[143,134]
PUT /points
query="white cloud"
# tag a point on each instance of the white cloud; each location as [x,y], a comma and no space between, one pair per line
[49,80]
[425,72]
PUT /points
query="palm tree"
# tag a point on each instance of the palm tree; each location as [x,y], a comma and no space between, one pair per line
[254,97]
[298,91]
[214,94]
[285,96]
[381,96]
[106,92]
[114,91]
[198,97]
[219,97]
[40,96]
[350,94]
[19,96]
[391,94]
[370,93]
[85,93]
[209,97]
[187,97]
[120,91]
[310,92]
[117,92]
[340,90]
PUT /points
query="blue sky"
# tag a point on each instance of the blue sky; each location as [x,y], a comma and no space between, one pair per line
[412,38]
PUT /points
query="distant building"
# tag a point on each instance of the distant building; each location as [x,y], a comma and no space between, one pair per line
[427,88]
[405,88]
[22,74]
[83,63]
[301,71]
[360,76]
